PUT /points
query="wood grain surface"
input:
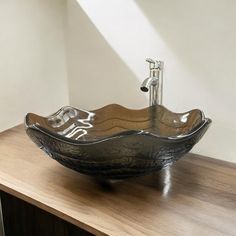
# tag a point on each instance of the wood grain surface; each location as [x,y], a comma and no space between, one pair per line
[196,196]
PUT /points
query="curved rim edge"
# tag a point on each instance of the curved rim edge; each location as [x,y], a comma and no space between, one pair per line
[205,122]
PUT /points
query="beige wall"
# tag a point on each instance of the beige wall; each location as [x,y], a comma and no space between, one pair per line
[109,40]
[33,73]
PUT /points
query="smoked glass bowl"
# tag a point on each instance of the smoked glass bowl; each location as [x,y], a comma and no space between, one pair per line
[114,142]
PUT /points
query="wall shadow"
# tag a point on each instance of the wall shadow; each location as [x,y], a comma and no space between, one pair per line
[97,75]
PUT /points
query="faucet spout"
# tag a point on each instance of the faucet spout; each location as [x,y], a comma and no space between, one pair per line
[150,81]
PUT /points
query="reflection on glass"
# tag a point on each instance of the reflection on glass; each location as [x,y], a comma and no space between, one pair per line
[167,182]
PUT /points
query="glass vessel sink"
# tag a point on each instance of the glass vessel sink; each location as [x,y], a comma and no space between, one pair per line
[115,142]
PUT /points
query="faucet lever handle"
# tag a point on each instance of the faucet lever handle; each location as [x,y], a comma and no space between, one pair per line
[154,64]
[151,62]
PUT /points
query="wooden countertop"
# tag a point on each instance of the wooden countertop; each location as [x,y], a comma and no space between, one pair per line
[196,196]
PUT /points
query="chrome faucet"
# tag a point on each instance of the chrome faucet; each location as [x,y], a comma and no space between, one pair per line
[153,83]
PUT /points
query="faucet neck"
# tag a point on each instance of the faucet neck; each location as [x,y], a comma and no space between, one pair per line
[154,73]
[153,83]
[153,95]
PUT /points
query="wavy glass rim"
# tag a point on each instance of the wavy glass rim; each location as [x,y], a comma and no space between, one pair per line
[39,128]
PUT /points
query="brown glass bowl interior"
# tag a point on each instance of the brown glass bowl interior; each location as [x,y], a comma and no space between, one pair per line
[78,124]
